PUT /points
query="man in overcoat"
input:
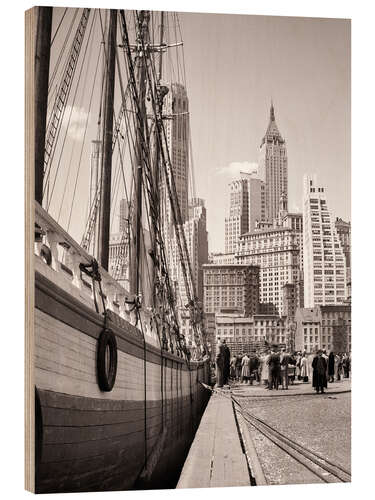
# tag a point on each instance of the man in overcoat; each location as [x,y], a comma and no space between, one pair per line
[226,368]
[319,366]
[284,363]
[274,370]
[219,363]
[331,366]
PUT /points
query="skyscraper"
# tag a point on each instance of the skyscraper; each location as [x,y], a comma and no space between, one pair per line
[247,206]
[323,257]
[277,252]
[124,214]
[273,168]
[176,123]
[195,230]
[344,233]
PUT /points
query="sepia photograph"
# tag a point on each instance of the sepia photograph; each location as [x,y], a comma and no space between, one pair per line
[188,250]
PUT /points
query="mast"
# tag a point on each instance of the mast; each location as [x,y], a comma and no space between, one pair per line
[161,92]
[105,204]
[135,256]
[42,57]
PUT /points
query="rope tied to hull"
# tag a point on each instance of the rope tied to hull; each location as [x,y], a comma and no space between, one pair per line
[92,270]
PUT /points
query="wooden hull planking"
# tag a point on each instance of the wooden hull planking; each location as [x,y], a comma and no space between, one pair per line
[137,435]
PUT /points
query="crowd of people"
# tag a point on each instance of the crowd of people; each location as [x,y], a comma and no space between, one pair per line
[274,367]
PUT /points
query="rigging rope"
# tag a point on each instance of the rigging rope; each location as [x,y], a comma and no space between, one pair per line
[62,97]
[59,25]
[135,100]
[54,72]
[181,240]
[68,124]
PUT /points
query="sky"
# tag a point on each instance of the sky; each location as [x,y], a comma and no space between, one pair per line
[234,66]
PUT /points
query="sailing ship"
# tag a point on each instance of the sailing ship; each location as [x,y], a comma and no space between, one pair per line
[119,389]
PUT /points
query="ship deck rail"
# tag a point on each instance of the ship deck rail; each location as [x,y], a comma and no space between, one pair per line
[63,268]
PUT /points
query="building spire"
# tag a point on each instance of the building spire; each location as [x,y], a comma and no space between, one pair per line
[272,112]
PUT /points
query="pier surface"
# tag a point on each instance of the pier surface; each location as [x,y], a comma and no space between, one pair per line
[216,458]
[318,422]
[228,451]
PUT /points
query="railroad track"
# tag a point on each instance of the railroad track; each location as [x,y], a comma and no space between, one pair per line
[320,466]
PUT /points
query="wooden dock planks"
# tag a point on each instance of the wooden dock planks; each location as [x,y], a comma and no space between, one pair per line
[216,458]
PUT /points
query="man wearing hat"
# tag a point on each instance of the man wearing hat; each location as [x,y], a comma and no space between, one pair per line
[319,366]
[274,369]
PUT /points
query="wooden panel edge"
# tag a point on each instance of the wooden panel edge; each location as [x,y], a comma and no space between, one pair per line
[30,30]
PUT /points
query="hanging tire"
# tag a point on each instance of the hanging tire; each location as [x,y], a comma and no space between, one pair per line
[106,360]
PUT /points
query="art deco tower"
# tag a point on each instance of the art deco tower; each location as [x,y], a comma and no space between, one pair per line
[273,168]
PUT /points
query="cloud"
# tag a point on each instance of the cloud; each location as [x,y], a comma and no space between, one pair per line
[234,169]
[74,120]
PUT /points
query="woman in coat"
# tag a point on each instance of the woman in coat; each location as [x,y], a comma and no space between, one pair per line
[304,368]
[245,374]
[265,368]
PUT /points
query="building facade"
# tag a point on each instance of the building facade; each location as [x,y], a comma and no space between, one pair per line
[308,329]
[323,257]
[195,230]
[277,252]
[336,328]
[231,287]
[323,327]
[247,205]
[244,334]
[221,258]
[176,111]
[124,216]
[290,299]
[273,168]
[344,233]
[118,258]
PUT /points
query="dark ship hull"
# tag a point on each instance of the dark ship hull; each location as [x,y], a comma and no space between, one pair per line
[137,435]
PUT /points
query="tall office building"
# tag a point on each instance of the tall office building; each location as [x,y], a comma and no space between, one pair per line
[95,167]
[344,233]
[273,168]
[247,206]
[176,123]
[195,229]
[277,252]
[231,287]
[323,257]
[118,261]
[124,214]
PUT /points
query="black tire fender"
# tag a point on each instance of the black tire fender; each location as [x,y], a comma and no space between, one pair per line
[106,374]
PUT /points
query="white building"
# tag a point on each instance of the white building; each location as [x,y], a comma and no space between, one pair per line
[277,252]
[323,257]
[273,168]
[247,206]
[221,258]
